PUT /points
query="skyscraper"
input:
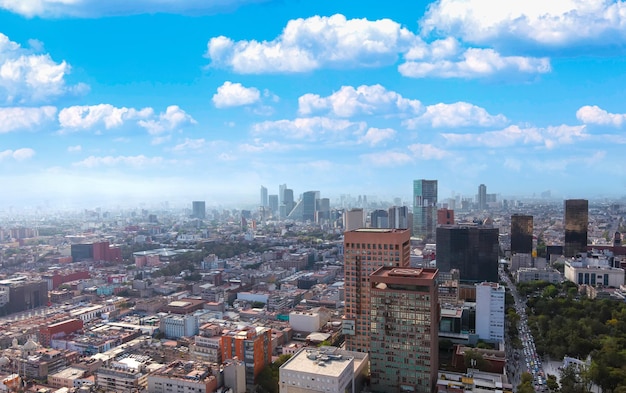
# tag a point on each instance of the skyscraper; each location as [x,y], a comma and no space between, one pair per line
[490,311]
[425,208]
[576,222]
[309,205]
[264,201]
[521,234]
[474,250]
[404,330]
[353,219]
[273,203]
[366,250]
[379,219]
[398,217]
[482,197]
[281,194]
[198,209]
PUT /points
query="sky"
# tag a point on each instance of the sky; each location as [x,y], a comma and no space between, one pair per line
[114,102]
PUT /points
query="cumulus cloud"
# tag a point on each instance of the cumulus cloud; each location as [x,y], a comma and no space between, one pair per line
[259,146]
[25,118]
[474,63]
[545,23]
[427,152]
[315,42]
[367,100]
[596,115]
[375,136]
[171,119]
[235,94]
[17,155]
[139,161]
[97,8]
[83,117]
[190,144]
[26,76]
[387,158]
[549,137]
[458,114]
[310,128]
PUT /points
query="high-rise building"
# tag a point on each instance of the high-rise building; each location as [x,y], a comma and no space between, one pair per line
[379,219]
[309,205]
[281,194]
[521,234]
[474,250]
[404,330]
[323,210]
[287,202]
[490,311]
[366,250]
[198,209]
[273,203]
[264,201]
[398,217]
[425,208]
[445,216]
[482,197]
[576,222]
[253,344]
[353,219]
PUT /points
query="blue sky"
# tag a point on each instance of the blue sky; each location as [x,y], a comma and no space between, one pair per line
[180,100]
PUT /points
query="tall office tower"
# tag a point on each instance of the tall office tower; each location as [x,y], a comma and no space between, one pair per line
[404,330]
[490,311]
[288,200]
[198,209]
[482,197]
[576,222]
[366,250]
[281,194]
[521,234]
[445,216]
[323,210]
[353,219]
[425,208]
[273,203]
[309,205]
[379,219]
[264,201]
[471,249]
[398,217]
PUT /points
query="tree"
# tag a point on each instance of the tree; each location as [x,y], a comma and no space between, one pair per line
[551,383]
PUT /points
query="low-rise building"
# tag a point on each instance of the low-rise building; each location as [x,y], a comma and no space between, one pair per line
[179,377]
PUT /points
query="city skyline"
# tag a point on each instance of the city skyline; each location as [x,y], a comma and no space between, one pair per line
[189,100]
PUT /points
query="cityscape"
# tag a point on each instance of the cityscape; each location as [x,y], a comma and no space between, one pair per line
[296,196]
[301,294]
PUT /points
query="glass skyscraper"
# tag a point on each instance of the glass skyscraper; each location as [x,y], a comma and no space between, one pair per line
[425,209]
[576,222]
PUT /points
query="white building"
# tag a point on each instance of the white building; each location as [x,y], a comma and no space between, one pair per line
[207,349]
[526,274]
[323,370]
[490,311]
[594,272]
[176,326]
[308,321]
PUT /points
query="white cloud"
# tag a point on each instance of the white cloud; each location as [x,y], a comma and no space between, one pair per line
[190,144]
[29,77]
[514,135]
[88,116]
[21,118]
[96,8]
[139,161]
[548,23]
[458,114]
[74,149]
[310,128]
[315,42]
[368,100]
[17,155]
[265,147]
[375,136]
[474,63]
[596,115]
[387,158]
[427,152]
[173,118]
[235,94]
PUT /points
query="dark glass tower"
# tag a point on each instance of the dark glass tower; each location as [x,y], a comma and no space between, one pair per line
[576,222]
[521,234]
[425,208]
[471,249]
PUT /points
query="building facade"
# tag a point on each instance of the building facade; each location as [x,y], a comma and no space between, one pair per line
[366,250]
[576,223]
[521,234]
[490,311]
[198,209]
[425,208]
[473,250]
[398,217]
[404,330]
[445,216]
[253,345]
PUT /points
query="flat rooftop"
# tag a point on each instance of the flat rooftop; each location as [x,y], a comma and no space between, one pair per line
[327,362]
